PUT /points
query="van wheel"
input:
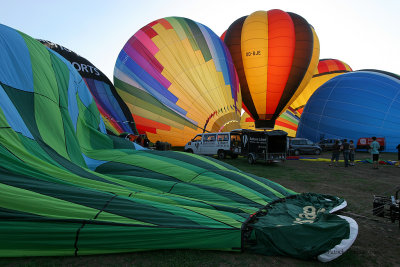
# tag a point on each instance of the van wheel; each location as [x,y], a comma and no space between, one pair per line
[251,159]
[317,152]
[296,152]
[221,154]
[189,151]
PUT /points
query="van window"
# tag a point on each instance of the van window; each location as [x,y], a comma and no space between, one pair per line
[222,137]
[197,138]
[209,137]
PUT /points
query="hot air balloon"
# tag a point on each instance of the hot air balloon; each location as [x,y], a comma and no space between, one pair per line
[114,111]
[354,105]
[178,79]
[275,54]
[326,70]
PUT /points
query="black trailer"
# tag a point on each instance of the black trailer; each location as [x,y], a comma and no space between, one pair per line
[267,146]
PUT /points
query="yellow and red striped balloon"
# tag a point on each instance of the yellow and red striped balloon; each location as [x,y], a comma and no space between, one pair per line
[275,54]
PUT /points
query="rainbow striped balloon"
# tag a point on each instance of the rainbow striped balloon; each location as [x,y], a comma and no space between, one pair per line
[178,79]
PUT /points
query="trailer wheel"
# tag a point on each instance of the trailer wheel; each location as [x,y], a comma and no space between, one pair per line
[189,150]
[221,154]
[251,159]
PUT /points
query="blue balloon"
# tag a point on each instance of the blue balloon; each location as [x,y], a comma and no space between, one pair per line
[354,105]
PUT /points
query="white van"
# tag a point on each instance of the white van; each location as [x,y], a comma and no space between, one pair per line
[221,144]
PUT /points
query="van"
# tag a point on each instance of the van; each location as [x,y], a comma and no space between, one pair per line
[221,144]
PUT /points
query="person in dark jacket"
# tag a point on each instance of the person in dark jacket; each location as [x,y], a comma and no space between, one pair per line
[346,151]
[335,154]
[352,152]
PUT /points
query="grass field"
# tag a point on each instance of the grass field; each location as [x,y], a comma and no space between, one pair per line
[377,244]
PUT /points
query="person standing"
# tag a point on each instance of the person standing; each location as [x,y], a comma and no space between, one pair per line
[398,155]
[352,153]
[375,152]
[346,151]
[335,153]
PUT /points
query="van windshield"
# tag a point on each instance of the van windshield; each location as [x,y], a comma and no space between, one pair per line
[197,138]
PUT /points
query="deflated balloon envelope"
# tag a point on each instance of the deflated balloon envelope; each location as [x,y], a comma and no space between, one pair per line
[275,54]
[114,111]
[178,79]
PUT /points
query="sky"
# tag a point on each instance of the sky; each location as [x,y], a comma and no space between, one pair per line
[363,33]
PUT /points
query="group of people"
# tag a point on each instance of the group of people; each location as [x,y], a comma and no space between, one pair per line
[348,150]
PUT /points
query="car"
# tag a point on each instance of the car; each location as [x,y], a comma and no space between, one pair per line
[299,146]
[327,144]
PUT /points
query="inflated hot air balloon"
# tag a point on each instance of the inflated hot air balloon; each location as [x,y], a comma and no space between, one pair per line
[275,54]
[326,70]
[355,105]
[114,111]
[178,79]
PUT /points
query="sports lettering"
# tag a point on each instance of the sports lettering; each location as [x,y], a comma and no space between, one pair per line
[85,68]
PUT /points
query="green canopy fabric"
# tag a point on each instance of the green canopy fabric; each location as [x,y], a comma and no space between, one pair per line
[68,188]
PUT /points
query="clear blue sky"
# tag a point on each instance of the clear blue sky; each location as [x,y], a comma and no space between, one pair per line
[362,33]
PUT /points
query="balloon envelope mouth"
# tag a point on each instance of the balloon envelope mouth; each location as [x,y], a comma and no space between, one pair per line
[264,124]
